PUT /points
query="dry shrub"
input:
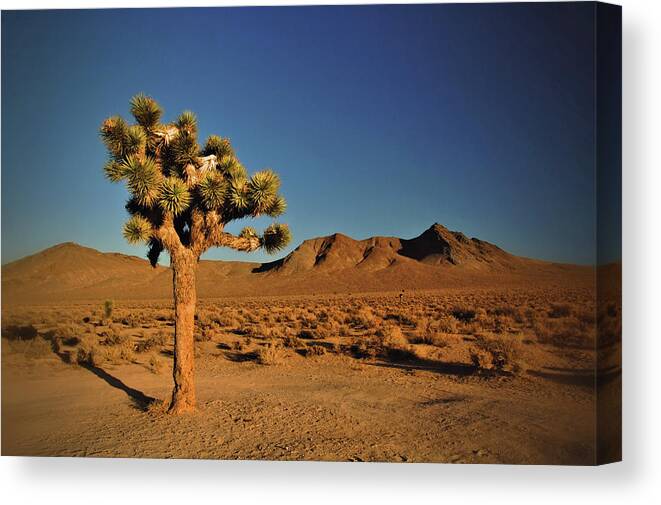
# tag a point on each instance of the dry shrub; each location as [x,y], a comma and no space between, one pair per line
[503,323]
[270,354]
[433,338]
[292,341]
[471,328]
[124,351]
[400,317]
[114,337]
[263,331]
[480,358]
[464,314]
[204,335]
[496,353]
[481,314]
[336,315]
[363,317]
[155,342]
[71,357]
[559,310]
[134,320]
[446,324]
[566,333]
[228,319]
[391,336]
[531,316]
[89,353]
[33,348]
[308,334]
[426,334]
[161,338]
[313,350]
[514,313]
[390,342]
[363,348]
[68,334]
[330,329]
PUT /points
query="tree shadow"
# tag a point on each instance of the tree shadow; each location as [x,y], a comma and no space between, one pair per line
[139,400]
[582,377]
[19,332]
[440,367]
[240,357]
[569,377]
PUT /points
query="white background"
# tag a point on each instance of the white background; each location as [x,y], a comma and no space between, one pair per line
[636,480]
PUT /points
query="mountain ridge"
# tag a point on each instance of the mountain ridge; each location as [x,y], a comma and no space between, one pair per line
[436,258]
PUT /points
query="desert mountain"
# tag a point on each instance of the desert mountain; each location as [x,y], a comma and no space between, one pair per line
[436,246]
[438,258]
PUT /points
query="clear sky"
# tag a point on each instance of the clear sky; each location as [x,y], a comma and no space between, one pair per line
[380,120]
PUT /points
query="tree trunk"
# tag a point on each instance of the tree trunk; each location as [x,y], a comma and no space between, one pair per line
[184,266]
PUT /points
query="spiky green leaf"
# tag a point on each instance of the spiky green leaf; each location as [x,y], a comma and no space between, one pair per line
[114,132]
[212,190]
[174,195]
[146,111]
[276,237]
[114,171]
[187,122]
[277,207]
[135,140]
[143,179]
[184,149]
[219,147]
[137,230]
[263,188]
[238,194]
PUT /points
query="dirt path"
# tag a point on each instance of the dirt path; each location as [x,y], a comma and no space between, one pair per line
[326,408]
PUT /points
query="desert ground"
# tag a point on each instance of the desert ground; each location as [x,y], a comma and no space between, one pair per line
[490,375]
[438,348]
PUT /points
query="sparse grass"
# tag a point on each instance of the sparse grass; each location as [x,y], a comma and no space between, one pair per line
[463,327]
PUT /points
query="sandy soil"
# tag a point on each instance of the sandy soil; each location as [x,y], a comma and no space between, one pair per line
[325,408]
[498,375]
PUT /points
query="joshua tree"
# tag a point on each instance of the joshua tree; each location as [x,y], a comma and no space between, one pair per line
[181,198]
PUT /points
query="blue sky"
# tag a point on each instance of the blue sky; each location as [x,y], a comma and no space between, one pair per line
[380,120]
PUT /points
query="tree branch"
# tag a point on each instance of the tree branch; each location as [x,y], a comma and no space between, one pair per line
[198,235]
[167,234]
[246,244]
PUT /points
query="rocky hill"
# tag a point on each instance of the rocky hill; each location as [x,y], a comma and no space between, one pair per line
[437,258]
